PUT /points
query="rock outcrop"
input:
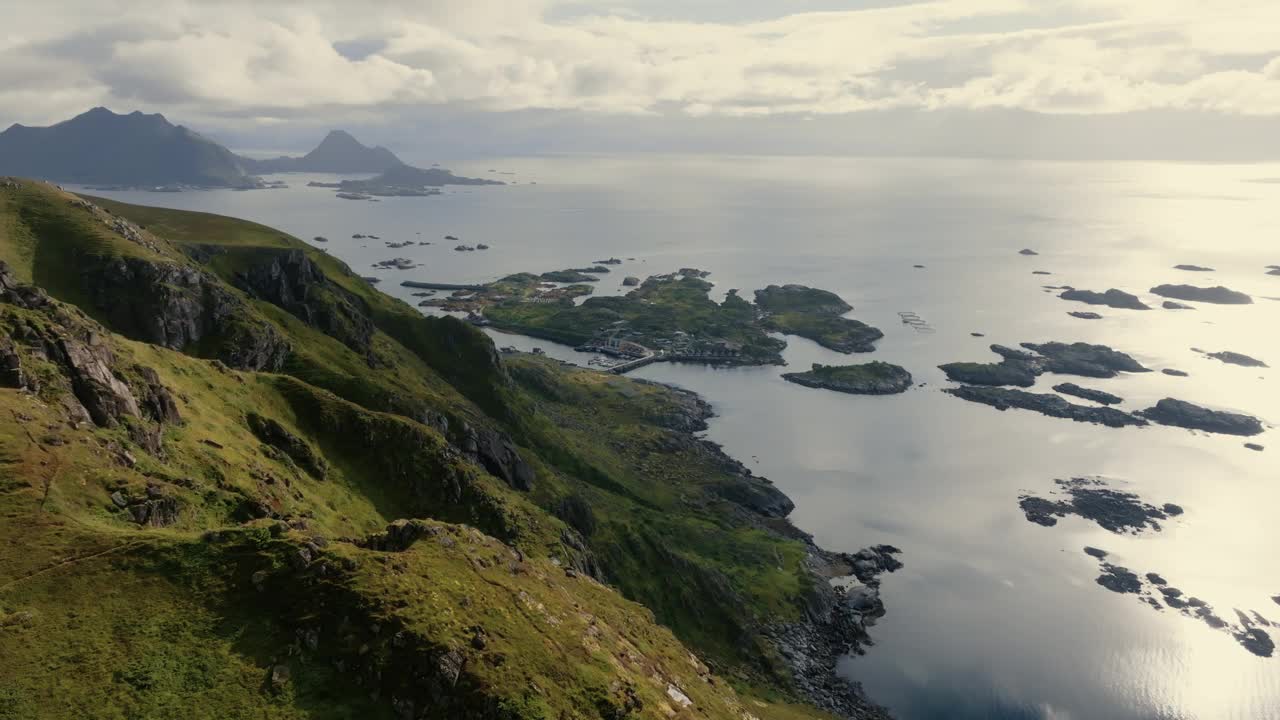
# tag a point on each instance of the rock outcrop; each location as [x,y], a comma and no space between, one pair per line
[1045,404]
[85,366]
[290,280]
[295,448]
[1112,298]
[1022,367]
[1235,358]
[177,306]
[1219,295]
[1180,413]
[1097,396]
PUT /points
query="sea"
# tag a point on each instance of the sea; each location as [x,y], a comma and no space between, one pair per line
[992,616]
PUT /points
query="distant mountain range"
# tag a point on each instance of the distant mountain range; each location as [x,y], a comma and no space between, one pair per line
[337,153]
[101,147]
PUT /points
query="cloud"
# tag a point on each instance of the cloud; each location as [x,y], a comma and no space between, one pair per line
[203,59]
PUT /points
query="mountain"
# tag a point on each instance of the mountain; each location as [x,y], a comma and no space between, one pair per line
[238,481]
[339,152]
[102,147]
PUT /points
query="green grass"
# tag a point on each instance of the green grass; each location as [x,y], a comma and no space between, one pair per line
[653,312]
[830,331]
[102,618]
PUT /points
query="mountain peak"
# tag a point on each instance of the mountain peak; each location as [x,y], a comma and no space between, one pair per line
[338,152]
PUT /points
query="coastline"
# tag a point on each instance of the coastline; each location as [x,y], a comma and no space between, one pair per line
[843,599]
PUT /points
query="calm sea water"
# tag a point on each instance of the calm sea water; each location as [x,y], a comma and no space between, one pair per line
[992,617]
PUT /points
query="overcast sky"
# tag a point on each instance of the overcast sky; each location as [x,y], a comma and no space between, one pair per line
[1009,77]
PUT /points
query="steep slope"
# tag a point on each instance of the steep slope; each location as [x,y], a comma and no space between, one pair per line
[324,504]
[102,147]
[339,152]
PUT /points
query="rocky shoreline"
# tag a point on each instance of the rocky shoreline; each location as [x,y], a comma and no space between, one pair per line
[836,616]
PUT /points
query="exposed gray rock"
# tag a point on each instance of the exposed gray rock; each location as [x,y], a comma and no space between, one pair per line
[1085,315]
[295,448]
[1235,358]
[1193,268]
[177,306]
[1180,413]
[290,280]
[155,399]
[1045,404]
[1218,295]
[280,677]
[88,366]
[1098,396]
[756,494]
[1174,373]
[1111,298]
[836,625]
[1171,305]
[498,455]
[1084,359]
[1022,367]
[1113,510]
[1119,579]
[399,536]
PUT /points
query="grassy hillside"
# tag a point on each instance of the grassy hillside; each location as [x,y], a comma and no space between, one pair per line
[243,483]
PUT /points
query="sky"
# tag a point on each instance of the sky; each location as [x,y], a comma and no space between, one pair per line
[1144,78]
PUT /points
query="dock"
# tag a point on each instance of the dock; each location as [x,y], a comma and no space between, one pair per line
[439,286]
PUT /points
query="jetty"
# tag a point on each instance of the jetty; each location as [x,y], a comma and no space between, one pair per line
[439,286]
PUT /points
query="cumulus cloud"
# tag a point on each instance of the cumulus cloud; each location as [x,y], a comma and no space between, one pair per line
[205,59]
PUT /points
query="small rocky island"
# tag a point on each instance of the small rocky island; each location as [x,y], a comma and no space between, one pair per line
[1235,358]
[1181,413]
[1092,499]
[816,315]
[1046,404]
[570,275]
[1098,396]
[1113,298]
[1022,367]
[401,181]
[1218,295]
[873,378]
